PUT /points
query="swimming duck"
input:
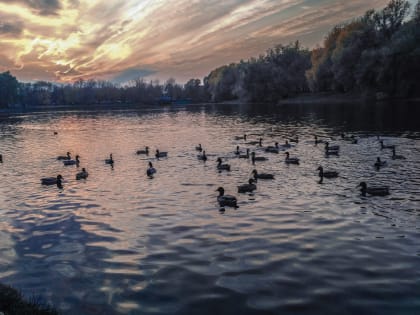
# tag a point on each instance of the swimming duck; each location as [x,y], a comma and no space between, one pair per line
[273,149]
[161,154]
[387,146]
[82,175]
[351,138]
[244,156]
[226,200]
[222,167]
[329,147]
[151,170]
[291,160]
[397,157]
[262,175]
[110,160]
[203,156]
[286,145]
[250,187]
[295,140]
[64,157]
[257,158]
[317,140]
[145,151]
[199,148]
[241,137]
[378,164]
[52,181]
[374,191]
[259,142]
[326,174]
[72,162]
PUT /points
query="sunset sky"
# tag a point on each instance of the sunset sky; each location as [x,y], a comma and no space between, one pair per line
[66,40]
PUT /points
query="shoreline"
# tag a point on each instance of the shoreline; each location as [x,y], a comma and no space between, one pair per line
[12,302]
[300,99]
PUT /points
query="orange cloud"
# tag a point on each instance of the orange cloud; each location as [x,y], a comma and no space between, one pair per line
[65,40]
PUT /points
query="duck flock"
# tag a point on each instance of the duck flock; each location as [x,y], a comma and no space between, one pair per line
[249,152]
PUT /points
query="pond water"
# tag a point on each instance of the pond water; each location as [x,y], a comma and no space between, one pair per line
[121,243]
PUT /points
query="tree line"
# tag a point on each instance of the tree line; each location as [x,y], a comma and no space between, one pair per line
[377,54]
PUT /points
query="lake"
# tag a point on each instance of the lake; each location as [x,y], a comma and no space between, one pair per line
[121,243]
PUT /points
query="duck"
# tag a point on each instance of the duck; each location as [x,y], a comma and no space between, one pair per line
[161,154]
[64,157]
[295,140]
[291,160]
[373,191]
[259,142]
[241,137]
[151,170]
[286,145]
[250,187]
[317,140]
[329,147]
[378,164]
[226,200]
[244,156]
[145,151]
[110,160]
[222,167]
[257,158]
[397,157]
[262,175]
[326,174]
[199,147]
[52,181]
[72,162]
[203,156]
[82,175]
[386,146]
[351,138]
[273,149]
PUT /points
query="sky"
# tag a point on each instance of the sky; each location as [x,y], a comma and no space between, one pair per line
[67,40]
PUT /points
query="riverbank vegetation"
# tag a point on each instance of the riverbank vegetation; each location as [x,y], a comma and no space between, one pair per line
[374,56]
[13,303]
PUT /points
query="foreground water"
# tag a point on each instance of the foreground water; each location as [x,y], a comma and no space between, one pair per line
[120,243]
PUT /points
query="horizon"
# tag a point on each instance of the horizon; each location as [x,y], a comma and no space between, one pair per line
[62,42]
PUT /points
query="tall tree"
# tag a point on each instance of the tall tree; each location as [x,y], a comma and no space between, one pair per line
[8,89]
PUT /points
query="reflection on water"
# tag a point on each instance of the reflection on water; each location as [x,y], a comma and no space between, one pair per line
[120,243]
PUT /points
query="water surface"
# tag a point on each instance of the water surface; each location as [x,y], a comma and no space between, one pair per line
[120,243]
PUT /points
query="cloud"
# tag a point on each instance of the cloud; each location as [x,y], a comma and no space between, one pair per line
[131,74]
[74,39]
[41,7]
[11,28]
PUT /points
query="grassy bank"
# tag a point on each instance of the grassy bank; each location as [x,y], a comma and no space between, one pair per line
[13,303]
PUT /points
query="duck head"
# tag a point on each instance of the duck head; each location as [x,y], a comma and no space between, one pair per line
[221,191]
[251,181]
[150,164]
[287,154]
[363,185]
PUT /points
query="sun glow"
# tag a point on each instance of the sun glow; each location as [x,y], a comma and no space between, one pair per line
[68,40]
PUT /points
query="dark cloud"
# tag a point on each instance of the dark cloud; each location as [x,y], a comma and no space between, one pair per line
[41,7]
[132,74]
[11,28]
